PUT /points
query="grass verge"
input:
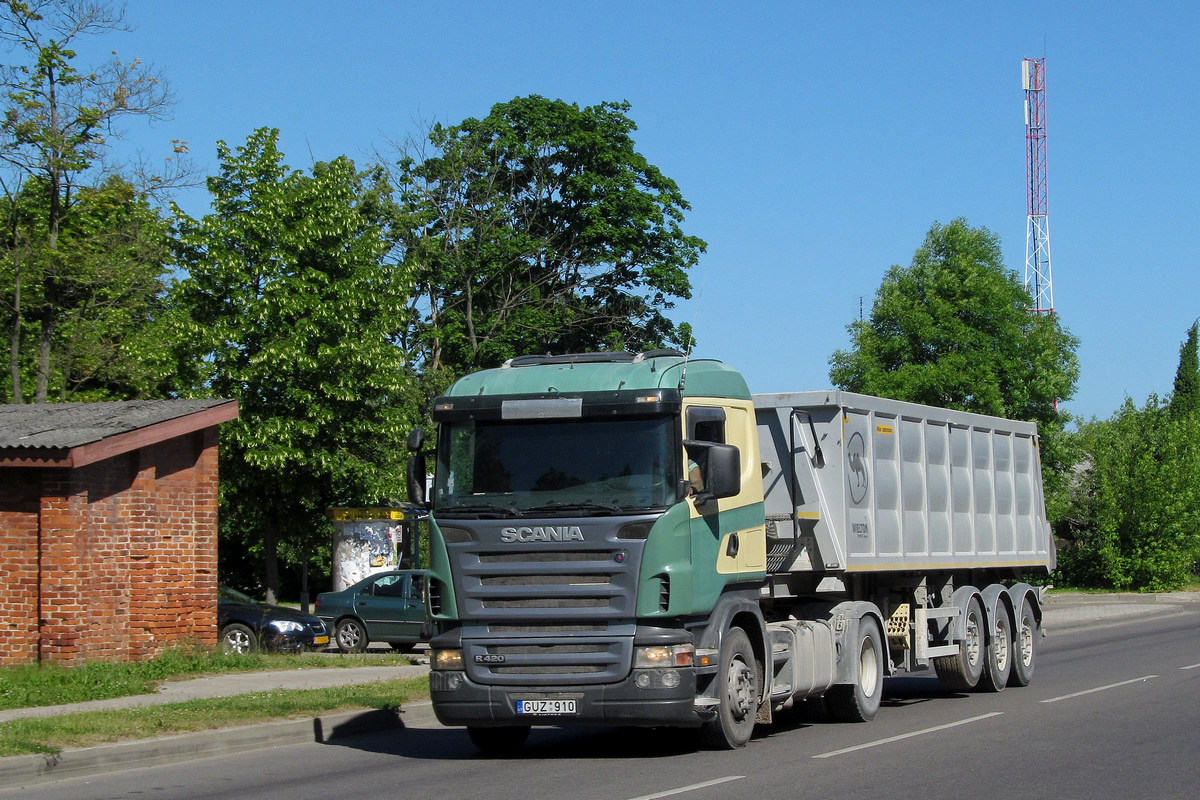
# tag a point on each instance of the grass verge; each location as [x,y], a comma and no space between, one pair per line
[32,685]
[53,734]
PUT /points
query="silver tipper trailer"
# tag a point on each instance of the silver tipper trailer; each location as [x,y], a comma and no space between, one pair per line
[854,483]
[902,529]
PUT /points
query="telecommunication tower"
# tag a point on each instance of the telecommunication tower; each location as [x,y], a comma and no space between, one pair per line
[1037,232]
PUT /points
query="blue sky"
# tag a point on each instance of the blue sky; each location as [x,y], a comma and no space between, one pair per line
[816,142]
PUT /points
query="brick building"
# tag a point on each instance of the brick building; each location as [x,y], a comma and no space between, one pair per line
[108,528]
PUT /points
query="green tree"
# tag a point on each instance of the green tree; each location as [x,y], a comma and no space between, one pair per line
[113,248]
[55,129]
[539,228]
[292,310]
[1137,502]
[953,329]
[1185,400]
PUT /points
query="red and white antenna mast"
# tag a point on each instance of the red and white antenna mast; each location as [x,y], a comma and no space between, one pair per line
[1037,232]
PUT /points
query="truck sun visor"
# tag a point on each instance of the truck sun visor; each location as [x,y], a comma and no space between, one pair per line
[550,408]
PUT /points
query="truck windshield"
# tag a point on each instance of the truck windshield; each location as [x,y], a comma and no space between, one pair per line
[578,467]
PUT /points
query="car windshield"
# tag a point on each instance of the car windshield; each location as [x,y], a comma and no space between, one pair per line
[577,467]
[233,595]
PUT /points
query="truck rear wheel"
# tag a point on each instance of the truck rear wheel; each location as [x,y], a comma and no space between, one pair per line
[1024,646]
[961,672]
[998,657]
[859,701]
[738,686]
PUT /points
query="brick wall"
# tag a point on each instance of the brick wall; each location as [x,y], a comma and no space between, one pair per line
[128,556]
[20,495]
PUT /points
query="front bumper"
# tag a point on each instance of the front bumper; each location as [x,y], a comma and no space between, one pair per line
[659,702]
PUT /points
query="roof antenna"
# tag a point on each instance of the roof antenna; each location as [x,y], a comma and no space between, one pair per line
[687,353]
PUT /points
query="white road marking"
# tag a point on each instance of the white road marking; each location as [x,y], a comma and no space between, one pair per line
[1099,689]
[1191,666]
[693,787]
[903,736]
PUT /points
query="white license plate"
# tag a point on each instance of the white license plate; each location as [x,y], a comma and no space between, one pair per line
[546,707]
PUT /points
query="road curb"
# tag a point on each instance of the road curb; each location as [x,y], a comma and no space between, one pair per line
[30,770]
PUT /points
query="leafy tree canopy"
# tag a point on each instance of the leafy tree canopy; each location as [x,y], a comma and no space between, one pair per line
[1137,502]
[290,307]
[1185,400]
[108,273]
[540,228]
[953,329]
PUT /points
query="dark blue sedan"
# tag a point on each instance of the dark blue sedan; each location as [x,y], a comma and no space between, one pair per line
[246,625]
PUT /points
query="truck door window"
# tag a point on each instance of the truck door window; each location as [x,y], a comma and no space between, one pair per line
[706,424]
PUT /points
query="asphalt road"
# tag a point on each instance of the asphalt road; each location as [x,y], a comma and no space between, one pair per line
[1113,712]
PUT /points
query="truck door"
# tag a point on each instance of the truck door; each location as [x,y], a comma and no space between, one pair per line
[735,522]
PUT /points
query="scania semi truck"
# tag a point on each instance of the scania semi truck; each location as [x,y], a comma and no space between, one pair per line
[635,539]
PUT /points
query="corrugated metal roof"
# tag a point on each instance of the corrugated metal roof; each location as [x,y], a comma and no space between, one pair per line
[67,425]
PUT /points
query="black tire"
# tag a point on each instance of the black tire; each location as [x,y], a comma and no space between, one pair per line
[503,741]
[351,636]
[961,672]
[860,701]
[403,647]
[738,683]
[238,639]
[1025,640]
[998,657]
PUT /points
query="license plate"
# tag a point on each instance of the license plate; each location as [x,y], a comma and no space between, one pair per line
[546,707]
[320,640]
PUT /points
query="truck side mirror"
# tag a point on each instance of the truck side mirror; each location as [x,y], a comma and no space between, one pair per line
[415,475]
[720,467]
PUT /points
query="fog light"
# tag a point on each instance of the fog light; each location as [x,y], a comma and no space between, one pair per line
[670,679]
[642,680]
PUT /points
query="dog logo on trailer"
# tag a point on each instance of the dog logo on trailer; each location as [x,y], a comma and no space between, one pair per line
[856,459]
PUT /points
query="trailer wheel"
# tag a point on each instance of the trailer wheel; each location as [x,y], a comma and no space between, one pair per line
[859,701]
[961,672]
[998,658]
[737,683]
[502,741]
[1024,646]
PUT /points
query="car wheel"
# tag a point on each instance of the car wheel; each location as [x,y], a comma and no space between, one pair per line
[238,639]
[351,636]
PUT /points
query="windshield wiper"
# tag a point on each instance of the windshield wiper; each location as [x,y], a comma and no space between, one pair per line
[498,509]
[582,506]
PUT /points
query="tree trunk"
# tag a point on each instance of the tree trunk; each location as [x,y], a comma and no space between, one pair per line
[271,555]
[14,341]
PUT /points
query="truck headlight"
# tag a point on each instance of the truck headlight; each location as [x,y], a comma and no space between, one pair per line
[658,656]
[448,659]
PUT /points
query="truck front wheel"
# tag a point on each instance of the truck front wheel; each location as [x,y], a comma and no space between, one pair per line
[738,687]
